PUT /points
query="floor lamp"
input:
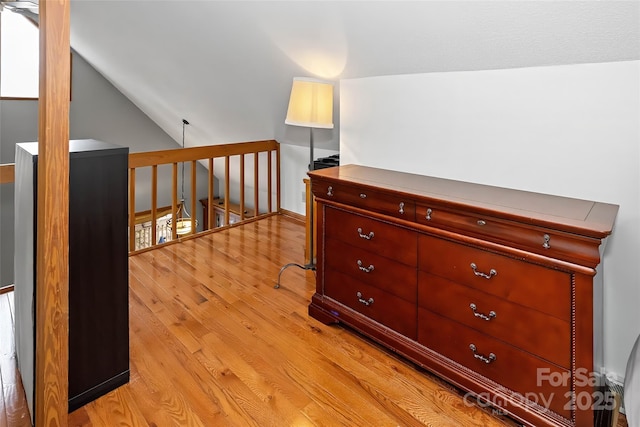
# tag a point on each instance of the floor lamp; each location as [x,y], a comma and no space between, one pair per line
[310,105]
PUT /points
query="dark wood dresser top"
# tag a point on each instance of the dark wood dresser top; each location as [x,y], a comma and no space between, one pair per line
[583,217]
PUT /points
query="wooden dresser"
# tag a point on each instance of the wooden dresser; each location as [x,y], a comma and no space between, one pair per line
[494,290]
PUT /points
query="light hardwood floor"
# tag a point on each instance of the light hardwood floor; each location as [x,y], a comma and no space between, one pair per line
[214,344]
[13,406]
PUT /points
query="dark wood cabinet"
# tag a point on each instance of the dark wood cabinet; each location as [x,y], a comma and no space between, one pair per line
[98,268]
[495,290]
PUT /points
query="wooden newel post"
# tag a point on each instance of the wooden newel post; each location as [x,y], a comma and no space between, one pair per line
[52,268]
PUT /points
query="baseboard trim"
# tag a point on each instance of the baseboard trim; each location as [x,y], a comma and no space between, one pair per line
[294,215]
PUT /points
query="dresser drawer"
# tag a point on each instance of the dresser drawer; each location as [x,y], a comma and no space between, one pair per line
[364,198]
[372,235]
[551,243]
[545,336]
[372,269]
[513,368]
[381,306]
[530,285]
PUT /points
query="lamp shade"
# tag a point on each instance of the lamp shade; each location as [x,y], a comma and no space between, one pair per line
[310,104]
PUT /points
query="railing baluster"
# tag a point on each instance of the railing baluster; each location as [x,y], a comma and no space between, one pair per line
[278,178]
[256,189]
[210,195]
[193,197]
[269,174]
[154,203]
[226,190]
[241,187]
[174,202]
[132,209]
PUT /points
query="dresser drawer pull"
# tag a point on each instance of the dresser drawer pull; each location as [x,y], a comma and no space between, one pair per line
[365,269]
[491,315]
[366,302]
[363,196]
[547,239]
[492,272]
[330,191]
[401,210]
[481,222]
[487,360]
[428,216]
[365,236]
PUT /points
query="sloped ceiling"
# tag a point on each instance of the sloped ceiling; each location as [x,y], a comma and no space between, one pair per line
[227,66]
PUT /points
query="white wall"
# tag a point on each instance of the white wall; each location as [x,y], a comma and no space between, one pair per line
[19,123]
[296,160]
[568,130]
[294,155]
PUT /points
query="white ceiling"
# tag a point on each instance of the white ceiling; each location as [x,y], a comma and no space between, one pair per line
[227,66]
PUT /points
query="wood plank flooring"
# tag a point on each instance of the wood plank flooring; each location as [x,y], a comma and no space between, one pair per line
[13,405]
[214,344]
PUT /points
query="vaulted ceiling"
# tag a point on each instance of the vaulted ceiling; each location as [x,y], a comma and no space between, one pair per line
[227,66]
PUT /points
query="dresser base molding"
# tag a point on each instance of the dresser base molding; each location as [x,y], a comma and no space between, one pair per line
[480,391]
[494,290]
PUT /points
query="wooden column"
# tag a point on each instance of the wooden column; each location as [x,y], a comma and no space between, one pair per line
[52,268]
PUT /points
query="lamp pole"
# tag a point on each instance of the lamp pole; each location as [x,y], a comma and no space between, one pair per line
[312,261]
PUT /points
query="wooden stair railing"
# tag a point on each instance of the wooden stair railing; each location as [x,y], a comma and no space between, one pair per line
[208,154]
[7,173]
[153,159]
